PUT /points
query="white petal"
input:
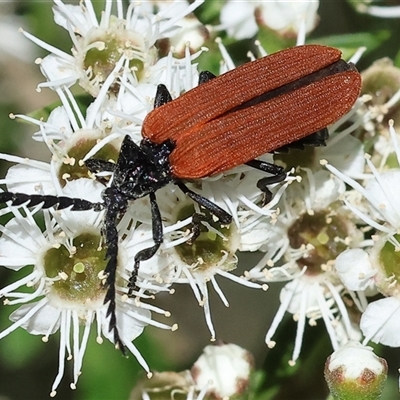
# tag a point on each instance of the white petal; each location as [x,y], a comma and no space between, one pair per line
[59,119]
[170,8]
[61,19]
[346,155]
[283,15]
[44,322]
[129,327]
[301,288]
[191,31]
[327,190]
[238,18]
[385,196]
[19,247]
[381,322]
[30,180]
[57,69]
[260,234]
[355,269]
[86,189]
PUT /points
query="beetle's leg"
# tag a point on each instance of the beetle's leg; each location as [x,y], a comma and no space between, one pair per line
[146,254]
[278,175]
[316,139]
[197,218]
[224,217]
[205,76]
[162,96]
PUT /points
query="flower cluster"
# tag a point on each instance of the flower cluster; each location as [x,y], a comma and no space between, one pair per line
[330,232]
[117,60]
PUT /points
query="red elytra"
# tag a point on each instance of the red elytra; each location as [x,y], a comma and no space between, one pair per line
[213,133]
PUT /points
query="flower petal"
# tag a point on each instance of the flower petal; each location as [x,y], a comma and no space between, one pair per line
[355,269]
[380,322]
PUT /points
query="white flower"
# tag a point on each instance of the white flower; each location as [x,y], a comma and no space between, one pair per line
[240,19]
[213,252]
[382,195]
[69,137]
[313,230]
[378,265]
[224,370]
[115,44]
[68,259]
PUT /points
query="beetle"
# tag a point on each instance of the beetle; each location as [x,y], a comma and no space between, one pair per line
[283,100]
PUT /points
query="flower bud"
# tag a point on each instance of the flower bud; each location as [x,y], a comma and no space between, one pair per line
[354,372]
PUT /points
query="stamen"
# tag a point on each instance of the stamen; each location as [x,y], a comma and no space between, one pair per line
[300,324]
[219,292]
[64,333]
[291,289]
[48,47]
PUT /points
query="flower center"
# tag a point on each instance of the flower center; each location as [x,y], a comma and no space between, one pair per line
[211,246]
[389,261]
[73,168]
[324,232]
[101,60]
[103,48]
[77,269]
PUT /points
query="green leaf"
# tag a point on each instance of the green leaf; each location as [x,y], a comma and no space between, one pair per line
[352,41]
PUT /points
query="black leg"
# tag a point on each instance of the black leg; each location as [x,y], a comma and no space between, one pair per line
[278,175]
[196,226]
[146,254]
[224,217]
[316,139]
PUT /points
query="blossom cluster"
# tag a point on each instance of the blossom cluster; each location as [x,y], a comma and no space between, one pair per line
[330,231]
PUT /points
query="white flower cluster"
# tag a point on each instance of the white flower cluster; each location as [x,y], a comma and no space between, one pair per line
[115,60]
[334,246]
